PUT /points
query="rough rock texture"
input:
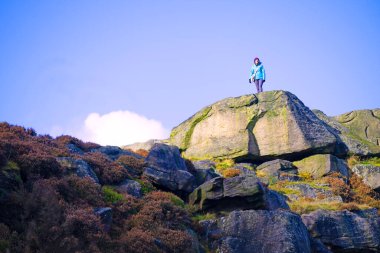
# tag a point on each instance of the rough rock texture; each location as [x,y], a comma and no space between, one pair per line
[257,231]
[370,175]
[202,176]
[345,231]
[131,187]
[148,145]
[80,167]
[114,152]
[358,130]
[167,169]
[105,214]
[204,165]
[203,171]
[278,169]
[321,165]
[229,193]
[320,192]
[275,200]
[263,126]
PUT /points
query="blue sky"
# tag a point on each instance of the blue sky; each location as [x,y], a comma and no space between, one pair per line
[65,65]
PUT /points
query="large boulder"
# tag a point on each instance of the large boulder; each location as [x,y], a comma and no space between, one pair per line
[321,165]
[203,171]
[263,126]
[358,130]
[257,231]
[78,166]
[369,173]
[345,231]
[229,193]
[277,169]
[241,192]
[167,169]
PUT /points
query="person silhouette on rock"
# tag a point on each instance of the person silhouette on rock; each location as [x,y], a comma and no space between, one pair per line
[257,75]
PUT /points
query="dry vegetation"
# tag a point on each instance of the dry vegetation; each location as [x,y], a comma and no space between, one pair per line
[46,209]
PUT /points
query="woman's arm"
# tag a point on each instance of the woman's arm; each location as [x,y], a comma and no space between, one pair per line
[263,73]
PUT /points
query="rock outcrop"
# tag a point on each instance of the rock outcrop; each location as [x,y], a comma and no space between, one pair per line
[263,126]
[229,193]
[358,130]
[167,169]
[370,175]
[277,169]
[321,165]
[345,231]
[78,166]
[241,192]
[257,231]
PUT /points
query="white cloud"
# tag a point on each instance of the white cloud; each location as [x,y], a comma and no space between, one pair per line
[120,128]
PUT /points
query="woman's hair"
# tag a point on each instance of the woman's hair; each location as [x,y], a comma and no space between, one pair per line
[257,58]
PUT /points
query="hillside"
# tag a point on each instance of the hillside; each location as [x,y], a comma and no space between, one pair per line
[256,173]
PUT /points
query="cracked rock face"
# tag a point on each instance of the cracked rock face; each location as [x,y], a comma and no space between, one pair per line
[257,231]
[267,125]
[345,231]
[358,130]
[363,123]
[370,175]
[167,169]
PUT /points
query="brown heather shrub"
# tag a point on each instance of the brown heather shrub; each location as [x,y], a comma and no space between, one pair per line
[79,191]
[142,152]
[85,146]
[338,185]
[3,159]
[363,194]
[5,236]
[108,172]
[157,222]
[353,160]
[139,241]
[230,172]
[38,165]
[132,162]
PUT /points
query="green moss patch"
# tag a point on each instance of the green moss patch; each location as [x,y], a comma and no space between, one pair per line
[110,195]
[205,216]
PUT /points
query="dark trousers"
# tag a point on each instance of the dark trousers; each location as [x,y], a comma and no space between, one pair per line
[259,85]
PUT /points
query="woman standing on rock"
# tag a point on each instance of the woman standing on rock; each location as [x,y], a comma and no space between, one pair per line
[257,74]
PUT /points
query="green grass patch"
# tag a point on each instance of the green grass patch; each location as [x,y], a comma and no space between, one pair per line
[206,216]
[375,161]
[110,195]
[304,206]
[11,166]
[224,164]
[146,187]
[177,201]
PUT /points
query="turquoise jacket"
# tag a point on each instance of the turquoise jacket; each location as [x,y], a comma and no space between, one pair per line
[258,71]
